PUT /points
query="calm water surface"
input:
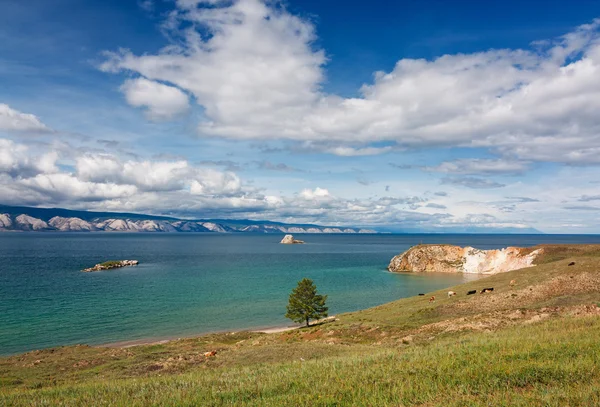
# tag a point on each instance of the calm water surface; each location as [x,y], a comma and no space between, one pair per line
[196,283]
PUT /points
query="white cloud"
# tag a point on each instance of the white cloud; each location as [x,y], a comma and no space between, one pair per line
[13,120]
[315,194]
[147,175]
[537,104]
[18,161]
[211,182]
[162,102]
[61,186]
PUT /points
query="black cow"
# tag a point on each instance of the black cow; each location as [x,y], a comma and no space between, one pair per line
[572,263]
[421,294]
[472,292]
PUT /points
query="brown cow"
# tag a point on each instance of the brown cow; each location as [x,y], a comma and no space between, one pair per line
[513,282]
[210,354]
[432,299]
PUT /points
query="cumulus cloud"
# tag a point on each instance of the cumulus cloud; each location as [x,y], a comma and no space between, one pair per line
[315,194]
[532,104]
[18,161]
[280,75]
[60,187]
[211,182]
[161,101]
[13,120]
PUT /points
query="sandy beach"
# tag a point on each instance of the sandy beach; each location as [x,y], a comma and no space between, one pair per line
[158,341]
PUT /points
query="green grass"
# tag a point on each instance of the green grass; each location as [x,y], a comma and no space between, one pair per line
[532,344]
[555,363]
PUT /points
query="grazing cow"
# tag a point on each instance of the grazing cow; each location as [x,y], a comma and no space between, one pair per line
[451,293]
[487,290]
[432,299]
[210,354]
[471,292]
[421,294]
[513,282]
[572,263]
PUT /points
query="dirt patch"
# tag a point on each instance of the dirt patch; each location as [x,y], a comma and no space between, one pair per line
[501,319]
[558,286]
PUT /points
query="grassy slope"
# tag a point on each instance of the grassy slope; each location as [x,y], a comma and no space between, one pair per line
[531,344]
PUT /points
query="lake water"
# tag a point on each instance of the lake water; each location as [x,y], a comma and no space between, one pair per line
[196,283]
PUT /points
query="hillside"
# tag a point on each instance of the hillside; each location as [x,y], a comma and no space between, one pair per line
[22,218]
[529,343]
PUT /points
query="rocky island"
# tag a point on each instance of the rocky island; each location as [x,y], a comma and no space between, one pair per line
[456,259]
[109,265]
[289,239]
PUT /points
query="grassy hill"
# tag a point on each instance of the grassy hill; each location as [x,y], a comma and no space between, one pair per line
[534,343]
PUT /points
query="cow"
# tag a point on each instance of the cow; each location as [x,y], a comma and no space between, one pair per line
[471,292]
[487,290]
[432,298]
[210,354]
[572,263]
[451,293]
[421,294]
[513,282]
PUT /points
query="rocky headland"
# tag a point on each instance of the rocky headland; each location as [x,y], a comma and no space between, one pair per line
[109,265]
[289,239]
[456,259]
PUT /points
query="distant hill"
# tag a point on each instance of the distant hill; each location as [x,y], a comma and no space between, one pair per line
[23,218]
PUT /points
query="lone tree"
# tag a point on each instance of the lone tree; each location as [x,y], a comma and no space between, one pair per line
[305,304]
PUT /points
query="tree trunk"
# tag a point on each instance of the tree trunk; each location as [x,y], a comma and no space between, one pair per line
[307,321]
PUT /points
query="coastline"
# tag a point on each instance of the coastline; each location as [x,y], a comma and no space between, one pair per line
[162,340]
[167,339]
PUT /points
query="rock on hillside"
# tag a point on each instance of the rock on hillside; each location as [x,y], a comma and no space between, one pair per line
[455,259]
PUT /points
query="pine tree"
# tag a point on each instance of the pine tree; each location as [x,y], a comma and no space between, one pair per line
[305,304]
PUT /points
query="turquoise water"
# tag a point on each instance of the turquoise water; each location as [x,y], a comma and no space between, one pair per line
[196,283]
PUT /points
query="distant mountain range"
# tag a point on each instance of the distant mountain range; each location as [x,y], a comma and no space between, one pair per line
[22,218]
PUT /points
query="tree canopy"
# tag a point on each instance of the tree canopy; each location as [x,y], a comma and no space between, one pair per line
[305,304]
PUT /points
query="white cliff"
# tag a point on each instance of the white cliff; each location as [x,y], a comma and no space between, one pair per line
[71,224]
[5,221]
[26,222]
[455,259]
[213,227]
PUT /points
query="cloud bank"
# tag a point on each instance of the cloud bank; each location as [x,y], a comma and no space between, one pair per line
[254,69]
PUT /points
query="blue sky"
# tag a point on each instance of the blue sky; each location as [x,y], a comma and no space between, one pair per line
[430,115]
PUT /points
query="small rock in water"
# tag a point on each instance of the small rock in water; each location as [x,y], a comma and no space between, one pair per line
[289,239]
[111,265]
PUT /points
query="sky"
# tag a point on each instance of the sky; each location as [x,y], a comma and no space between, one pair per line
[398,115]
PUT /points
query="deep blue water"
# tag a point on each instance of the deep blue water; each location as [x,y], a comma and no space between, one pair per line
[196,283]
